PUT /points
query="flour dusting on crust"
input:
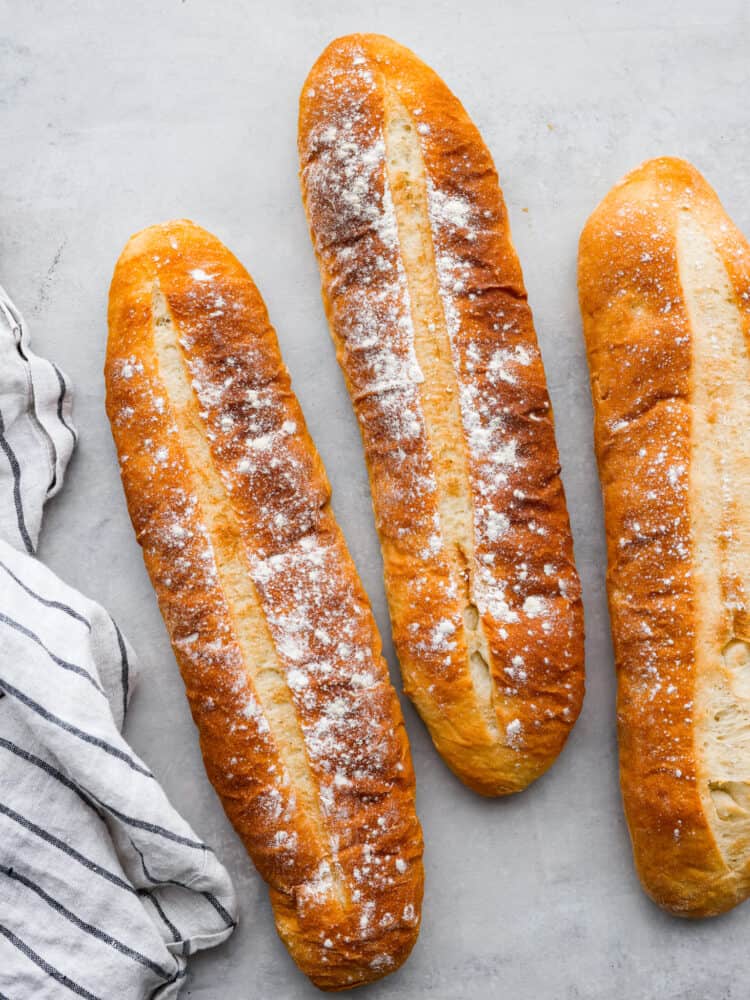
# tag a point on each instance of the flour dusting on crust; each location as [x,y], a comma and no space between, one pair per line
[519,516]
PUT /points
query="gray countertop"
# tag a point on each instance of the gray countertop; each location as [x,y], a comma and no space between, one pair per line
[116,115]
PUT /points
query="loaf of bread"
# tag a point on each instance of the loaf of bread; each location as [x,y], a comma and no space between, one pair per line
[300,728]
[428,311]
[664,281]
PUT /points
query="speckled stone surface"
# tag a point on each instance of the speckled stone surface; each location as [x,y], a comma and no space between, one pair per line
[114,116]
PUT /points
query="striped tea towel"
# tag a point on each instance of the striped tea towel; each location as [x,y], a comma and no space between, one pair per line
[36,434]
[104,889]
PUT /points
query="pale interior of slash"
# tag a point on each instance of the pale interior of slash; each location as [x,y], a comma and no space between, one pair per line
[719,493]
[248,621]
[439,391]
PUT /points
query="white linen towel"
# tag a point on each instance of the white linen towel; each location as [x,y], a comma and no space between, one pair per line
[104,889]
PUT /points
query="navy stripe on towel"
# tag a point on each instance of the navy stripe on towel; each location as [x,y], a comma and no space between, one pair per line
[83,925]
[74,730]
[72,667]
[15,469]
[50,838]
[43,600]
[45,966]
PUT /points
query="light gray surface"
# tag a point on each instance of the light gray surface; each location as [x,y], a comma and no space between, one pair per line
[115,115]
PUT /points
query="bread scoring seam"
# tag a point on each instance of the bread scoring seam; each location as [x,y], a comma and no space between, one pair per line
[406,177]
[249,624]
[720,415]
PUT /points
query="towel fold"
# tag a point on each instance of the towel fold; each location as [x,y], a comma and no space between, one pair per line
[104,889]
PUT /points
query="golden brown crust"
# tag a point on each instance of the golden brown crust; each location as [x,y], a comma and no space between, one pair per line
[644,304]
[300,728]
[427,307]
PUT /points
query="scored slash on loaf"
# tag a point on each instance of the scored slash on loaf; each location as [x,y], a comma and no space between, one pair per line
[428,311]
[664,282]
[300,729]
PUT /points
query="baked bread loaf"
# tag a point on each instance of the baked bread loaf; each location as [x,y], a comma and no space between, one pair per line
[300,728]
[664,282]
[428,311]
